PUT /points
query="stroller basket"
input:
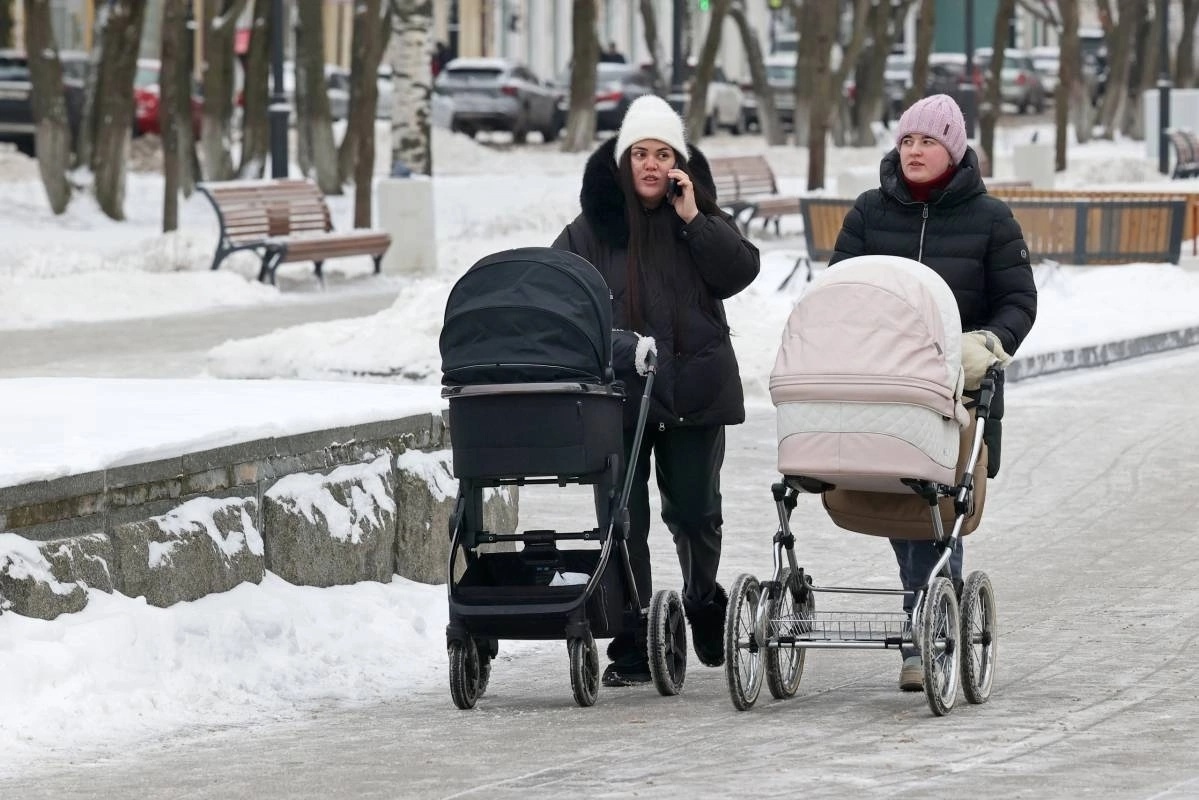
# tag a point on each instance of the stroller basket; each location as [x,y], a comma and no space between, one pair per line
[843,626]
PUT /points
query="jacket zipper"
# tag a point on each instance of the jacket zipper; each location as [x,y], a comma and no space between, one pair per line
[923,223]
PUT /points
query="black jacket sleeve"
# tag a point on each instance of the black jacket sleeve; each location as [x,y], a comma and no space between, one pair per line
[851,241]
[726,260]
[1011,289]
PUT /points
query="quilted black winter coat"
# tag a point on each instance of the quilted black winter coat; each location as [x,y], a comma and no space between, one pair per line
[969,237]
[687,270]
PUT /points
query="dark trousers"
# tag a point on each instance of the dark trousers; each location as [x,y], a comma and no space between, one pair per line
[687,464]
[916,559]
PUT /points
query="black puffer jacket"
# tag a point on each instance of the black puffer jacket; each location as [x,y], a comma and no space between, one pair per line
[970,238]
[686,271]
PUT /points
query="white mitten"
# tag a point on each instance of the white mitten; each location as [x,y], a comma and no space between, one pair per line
[981,350]
[646,348]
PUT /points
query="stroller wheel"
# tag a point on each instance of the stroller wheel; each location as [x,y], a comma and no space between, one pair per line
[465,673]
[789,615]
[939,630]
[584,669]
[742,648]
[978,642]
[667,642]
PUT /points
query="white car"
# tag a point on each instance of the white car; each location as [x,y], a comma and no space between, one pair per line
[725,106]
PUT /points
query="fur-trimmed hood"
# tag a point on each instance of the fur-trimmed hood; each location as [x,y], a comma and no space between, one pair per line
[602,200]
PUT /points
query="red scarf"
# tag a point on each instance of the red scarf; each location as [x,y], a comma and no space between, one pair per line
[921,191]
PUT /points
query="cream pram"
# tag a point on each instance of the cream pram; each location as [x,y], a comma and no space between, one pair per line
[868,388]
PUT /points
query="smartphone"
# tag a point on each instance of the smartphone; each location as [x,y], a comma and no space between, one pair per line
[672,189]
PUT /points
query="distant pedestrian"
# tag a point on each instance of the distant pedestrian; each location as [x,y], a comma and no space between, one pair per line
[933,207]
[612,55]
[441,57]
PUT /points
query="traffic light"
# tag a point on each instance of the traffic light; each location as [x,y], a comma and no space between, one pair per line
[704,5]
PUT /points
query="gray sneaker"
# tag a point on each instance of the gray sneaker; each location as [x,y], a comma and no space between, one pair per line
[911,675]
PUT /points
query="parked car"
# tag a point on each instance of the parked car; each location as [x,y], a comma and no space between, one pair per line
[147,100]
[897,78]
[1047,60]
[1020,83]
[617,85]
[498,94]
[16,103]
[724,106]
[337,86]
[780,76]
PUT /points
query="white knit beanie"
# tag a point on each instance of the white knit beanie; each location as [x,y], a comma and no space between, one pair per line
[651,117]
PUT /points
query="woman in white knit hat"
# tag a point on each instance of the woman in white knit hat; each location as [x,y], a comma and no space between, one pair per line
[651,226]
[932,206]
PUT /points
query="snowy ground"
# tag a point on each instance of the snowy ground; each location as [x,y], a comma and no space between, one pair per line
[125,672]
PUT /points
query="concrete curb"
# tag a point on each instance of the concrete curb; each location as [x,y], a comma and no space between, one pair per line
[1098,355]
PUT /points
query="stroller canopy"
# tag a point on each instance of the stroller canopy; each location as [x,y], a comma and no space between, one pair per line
[529,315]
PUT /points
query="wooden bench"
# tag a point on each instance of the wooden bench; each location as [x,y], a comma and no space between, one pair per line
[745,185]
[1066,229]
[284,220]
[1186,153]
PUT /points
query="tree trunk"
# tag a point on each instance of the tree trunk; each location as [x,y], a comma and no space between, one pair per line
[215,136]
[1184,68]
[52,132]
[925,27]
[697,111]
[653,43]
[314,121]
[256,95]
[173,80]
[121,32]
[410,52]
[1069,82]
[1119,67]
[371,23]
[813,61]
[580,122]
[836,118]
[1142,76]
[364,101]
[870,101]
[992,103]
[768,115]
[6,22]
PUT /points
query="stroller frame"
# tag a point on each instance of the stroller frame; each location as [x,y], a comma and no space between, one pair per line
[606,603]
[953,625]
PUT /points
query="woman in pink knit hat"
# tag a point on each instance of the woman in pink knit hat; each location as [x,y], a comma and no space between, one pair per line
[932,206]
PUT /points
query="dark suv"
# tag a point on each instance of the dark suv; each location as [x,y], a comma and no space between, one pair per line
[16,106]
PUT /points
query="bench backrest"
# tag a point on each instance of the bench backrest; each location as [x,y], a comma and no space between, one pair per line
[253,210]
[1190,225]
[1186,145]
[822,220]
[742,177]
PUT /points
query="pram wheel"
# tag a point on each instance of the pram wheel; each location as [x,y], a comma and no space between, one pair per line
[667,642]
[939,630]
[789,615]
[466,677]
[978,637]
[743,642]
[584,669]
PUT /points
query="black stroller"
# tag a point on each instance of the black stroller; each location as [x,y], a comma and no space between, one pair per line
[527,368]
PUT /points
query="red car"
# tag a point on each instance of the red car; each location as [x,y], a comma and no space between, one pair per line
[146,100]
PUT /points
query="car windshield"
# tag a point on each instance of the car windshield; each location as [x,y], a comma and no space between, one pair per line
[146,76]
[13,69]
[898,64]
[469,75]
[780,73]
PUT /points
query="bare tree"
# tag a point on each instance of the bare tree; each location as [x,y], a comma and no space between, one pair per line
[314,121]
[256,94]
[992,102]
[119,27]
[409,51]
[1071,94]
[371,30]
[1120,45]
[653,43]
[215,136]
[1184,68]
[52,127]
[870,102]
[1142,74]
[926,21]
[6,23]
[580,121]
[173,80]
[768,115]
[697,111]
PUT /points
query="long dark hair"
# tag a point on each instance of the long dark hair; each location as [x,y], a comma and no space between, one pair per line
[705,201]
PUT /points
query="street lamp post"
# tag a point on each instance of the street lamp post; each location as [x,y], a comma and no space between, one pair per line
[676,45]
[1163,89]
[279,110]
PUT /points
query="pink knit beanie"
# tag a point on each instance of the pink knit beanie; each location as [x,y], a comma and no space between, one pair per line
[937,116]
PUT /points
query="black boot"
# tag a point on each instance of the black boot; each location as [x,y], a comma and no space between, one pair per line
[628,654]
[707,626]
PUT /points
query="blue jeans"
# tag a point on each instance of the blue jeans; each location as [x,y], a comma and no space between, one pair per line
[916,558]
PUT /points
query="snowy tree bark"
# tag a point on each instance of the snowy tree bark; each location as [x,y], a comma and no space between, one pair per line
[52,136]
[580,122]
[926,22]
[372,25]
[1070,94]
[1120,45]
[6,22]
[314,122]
[120,26]
[992,101]
[870,102]
[768,115]
[1184,67]
[697,111]
[256,97]
[653,43]
[173,81]
[410,52]
[216,138]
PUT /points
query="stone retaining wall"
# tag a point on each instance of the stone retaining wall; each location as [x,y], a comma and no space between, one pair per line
[318,509]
